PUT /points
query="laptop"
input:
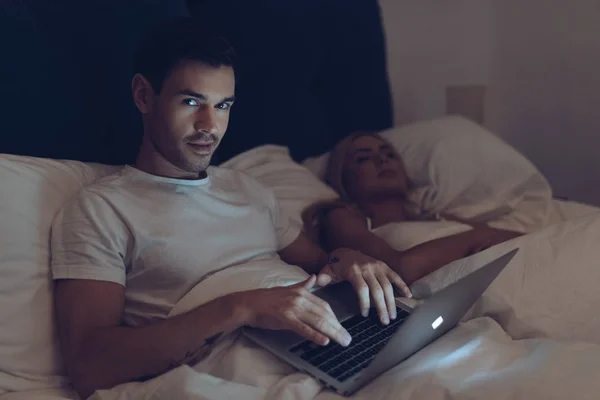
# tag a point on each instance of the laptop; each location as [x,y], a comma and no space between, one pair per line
[375,347]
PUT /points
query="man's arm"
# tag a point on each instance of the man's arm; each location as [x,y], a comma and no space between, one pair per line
[304,253]
[370,277]
[100,353]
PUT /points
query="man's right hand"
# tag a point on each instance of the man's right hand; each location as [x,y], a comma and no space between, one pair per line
[294,308]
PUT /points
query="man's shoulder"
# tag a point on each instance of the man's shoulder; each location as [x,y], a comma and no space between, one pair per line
[106,183]
[100,191]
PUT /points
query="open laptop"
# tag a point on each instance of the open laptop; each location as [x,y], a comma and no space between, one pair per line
[375,348]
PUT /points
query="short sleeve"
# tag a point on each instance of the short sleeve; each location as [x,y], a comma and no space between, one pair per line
[89,241]
[286,230]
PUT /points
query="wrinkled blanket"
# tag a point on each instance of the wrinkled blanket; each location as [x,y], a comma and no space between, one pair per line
[534,334]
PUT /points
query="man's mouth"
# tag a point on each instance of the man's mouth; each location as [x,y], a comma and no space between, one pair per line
[201,147]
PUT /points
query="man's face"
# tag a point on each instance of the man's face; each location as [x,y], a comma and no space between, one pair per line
[187,120]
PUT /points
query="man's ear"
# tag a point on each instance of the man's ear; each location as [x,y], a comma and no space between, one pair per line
[143,93]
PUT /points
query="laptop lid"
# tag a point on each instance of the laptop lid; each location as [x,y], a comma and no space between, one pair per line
[436,316]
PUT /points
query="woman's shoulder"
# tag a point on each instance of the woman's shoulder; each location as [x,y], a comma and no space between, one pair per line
[316,216]
[339,206]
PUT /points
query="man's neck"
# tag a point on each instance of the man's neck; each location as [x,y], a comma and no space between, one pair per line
[385,211]
[152,162]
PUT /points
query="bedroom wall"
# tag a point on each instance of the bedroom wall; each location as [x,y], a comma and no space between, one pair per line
[538,60]
[544,93]
[432,44]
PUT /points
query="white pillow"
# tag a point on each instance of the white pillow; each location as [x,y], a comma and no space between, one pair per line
[32,192]
[460,168]
[295,187]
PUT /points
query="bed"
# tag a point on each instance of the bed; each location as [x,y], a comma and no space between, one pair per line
[493,351]
[515,343]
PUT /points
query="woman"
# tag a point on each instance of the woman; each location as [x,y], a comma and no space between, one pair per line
[370,178]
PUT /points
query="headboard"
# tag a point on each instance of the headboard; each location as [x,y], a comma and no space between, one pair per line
[311,72]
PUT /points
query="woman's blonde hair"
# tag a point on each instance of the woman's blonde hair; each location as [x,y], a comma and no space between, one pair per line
[314,214]
[337,158]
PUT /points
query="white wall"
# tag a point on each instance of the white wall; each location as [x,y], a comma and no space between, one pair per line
[539,59]
[544,93]
[432,44]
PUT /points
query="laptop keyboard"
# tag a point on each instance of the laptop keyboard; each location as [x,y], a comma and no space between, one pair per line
[369,336]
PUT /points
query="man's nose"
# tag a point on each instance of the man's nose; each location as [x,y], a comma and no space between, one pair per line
[206,120]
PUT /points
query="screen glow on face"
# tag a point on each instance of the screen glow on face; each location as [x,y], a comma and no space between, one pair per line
[437,322]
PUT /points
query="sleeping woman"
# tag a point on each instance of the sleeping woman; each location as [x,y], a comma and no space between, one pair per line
[550,289]
[372,215]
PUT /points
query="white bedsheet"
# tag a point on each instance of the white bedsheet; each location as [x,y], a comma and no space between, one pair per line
[508,349]
[565,210]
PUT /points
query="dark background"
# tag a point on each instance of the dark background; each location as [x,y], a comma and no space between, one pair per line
[311,72]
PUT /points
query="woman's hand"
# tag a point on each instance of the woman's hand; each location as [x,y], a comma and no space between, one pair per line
[372,279]
[486,236]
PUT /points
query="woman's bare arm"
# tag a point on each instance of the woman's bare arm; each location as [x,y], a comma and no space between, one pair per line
[344,227]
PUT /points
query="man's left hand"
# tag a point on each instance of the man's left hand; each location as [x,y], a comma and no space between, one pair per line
[372,279]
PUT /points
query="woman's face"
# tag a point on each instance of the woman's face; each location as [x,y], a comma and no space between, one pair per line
[373,169]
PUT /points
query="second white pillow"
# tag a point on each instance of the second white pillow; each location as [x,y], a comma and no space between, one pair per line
[460,168]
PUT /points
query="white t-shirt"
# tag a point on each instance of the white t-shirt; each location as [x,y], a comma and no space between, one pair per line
[159,237]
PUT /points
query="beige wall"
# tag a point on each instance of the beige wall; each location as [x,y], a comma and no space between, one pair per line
[539,60]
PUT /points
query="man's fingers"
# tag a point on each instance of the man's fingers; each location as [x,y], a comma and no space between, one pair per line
[325,320]
[319,302]
[324,279]
[362,290]
[306,284]
[399,283]
[308,332]
[310,282]
[388,293]
[378,297]
[316,314]
[327,324]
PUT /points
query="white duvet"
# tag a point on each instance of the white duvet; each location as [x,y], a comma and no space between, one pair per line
[535,334]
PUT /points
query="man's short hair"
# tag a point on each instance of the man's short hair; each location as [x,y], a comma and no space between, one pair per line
[174,41]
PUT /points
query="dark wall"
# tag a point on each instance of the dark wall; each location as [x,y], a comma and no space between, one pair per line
[65,75]
[311,72]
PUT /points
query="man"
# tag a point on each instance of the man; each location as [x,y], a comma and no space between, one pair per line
[126,249]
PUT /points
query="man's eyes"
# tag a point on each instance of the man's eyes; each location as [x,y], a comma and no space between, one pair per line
[195,103]
[191,102]
[224,106]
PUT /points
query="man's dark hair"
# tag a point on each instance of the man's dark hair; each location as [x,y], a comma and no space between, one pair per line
[177,40]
